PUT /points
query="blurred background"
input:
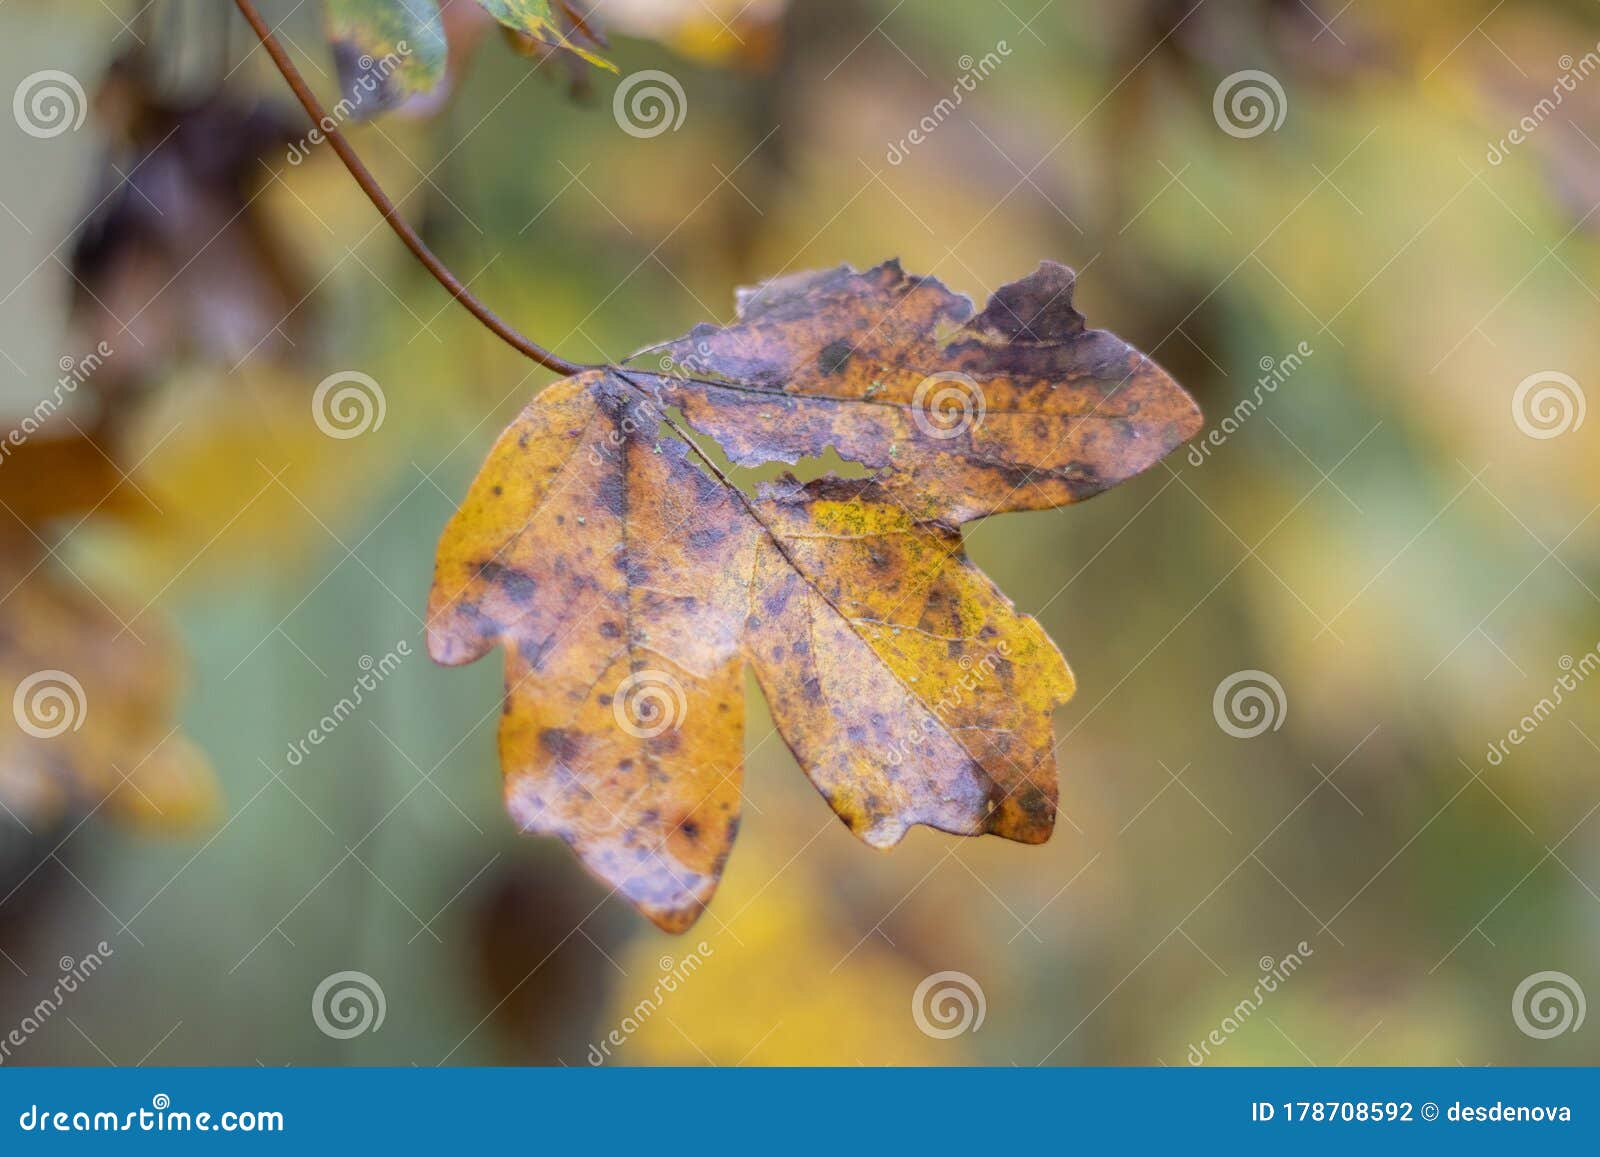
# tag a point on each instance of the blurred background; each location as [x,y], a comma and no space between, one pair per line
[1302,648]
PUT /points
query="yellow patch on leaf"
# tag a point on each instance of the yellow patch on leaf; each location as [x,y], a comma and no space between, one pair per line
[539,20]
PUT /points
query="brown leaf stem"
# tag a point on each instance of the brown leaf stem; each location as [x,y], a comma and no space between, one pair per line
[380,200]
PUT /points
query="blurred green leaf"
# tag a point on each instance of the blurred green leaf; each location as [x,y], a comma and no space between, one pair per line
[385,50]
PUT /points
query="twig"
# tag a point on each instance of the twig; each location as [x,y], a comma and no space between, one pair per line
[369,185]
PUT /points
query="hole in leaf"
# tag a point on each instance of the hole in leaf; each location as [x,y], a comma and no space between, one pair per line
[748,478]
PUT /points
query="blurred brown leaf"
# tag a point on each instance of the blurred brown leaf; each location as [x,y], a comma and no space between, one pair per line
[91,687]
[89,725]
[44,479]
[175,257]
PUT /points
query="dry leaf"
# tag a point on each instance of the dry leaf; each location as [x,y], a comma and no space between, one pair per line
[176,255]
[631,583]
[1021,407]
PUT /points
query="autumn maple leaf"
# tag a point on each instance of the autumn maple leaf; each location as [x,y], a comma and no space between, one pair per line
[630,582]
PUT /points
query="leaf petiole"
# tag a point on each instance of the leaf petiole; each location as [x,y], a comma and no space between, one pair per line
[380,200]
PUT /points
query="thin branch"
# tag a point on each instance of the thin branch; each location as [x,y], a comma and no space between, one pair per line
[369,185]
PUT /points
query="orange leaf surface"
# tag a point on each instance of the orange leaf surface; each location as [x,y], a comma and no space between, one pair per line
[1020,407]
[630,582]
